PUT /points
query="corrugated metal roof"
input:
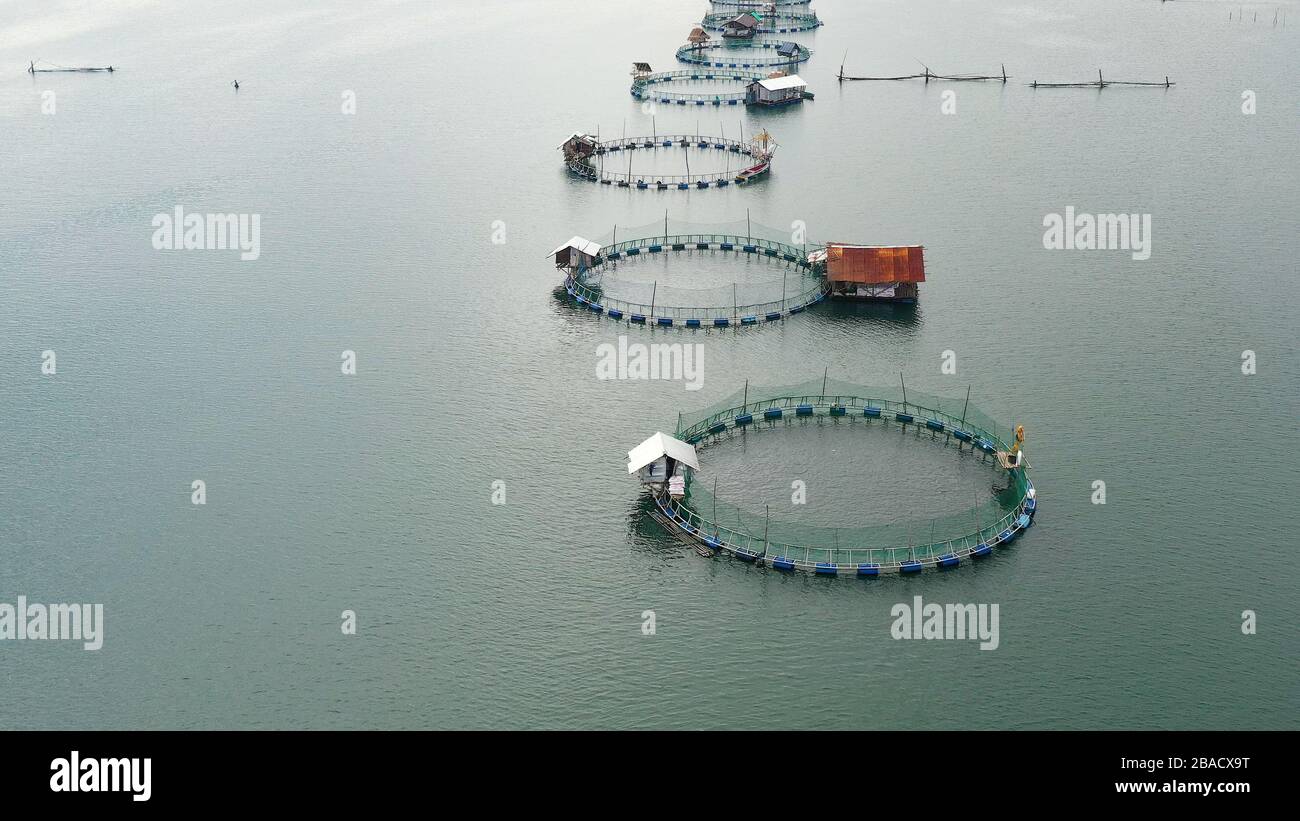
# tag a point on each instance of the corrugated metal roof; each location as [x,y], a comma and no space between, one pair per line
[586,246]
[780,83]
[661,444]
[875,264]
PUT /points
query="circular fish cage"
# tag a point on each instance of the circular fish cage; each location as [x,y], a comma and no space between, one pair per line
[697,516]
[602,161]
[643,86]
[750,5]
[745,54]
[789,284]
[783,22]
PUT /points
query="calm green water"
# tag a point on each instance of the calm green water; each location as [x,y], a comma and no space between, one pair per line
[372,492]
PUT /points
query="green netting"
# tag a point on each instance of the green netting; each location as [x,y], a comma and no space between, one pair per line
[795,234]
[757,398]
[736,522]
[771,277]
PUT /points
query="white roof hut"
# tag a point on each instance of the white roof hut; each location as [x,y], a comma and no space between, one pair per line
[656,459]
[576,253]
[776,90]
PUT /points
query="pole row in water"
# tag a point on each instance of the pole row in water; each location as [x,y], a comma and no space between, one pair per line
[928,75]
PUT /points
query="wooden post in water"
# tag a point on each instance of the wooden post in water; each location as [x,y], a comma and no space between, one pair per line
[653,290]
[824,372]
[767,517]
[904,384]
[715,507]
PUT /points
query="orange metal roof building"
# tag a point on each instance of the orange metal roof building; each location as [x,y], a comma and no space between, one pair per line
[874,264]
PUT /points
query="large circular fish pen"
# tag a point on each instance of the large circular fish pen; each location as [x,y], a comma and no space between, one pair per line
[725,162]
[745,531]
[756,5]
[727,87]
[688,279]
[782,22]
[755,54]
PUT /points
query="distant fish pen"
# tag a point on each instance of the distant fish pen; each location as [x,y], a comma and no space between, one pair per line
[697,516]
[585,156]
[642,86]
[756,5]
[779,23]
[591,273]
[723,55]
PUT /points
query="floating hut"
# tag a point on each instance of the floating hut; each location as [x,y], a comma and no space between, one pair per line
[776,91]
[873,272]
[741,27]
[661,461]
[698,35]
[641,69]
[576,254]
[578,147]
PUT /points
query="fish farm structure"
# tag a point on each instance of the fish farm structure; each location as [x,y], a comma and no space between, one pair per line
[799,276]
[667,465]
[780,23]
[756,5]
[599,160]
[787,283]
[642,86]
[754,54]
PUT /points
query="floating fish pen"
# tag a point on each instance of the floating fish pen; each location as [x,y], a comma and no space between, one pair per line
[643,88]
[593,281]
[755,54]
[697,516]
[756,5]
[748,24]
[601,161]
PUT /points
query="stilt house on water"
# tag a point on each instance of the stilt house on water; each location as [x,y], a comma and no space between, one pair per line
[661,461]
[698,35]
[640,69]
[741,27]
[873,272]
[576,254]
[777,90]
[578,147]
